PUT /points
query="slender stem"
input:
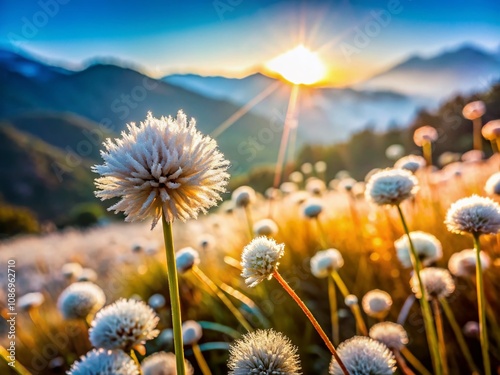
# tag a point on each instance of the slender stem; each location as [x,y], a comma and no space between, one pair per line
[494,146]
[134,357]
[334,316]
[312,319]
[481,303]
[427,150]
[417,365]
[440,334]
[424,303]
[175,302]
[360,323]
[458,334]
[322,234]
[215,289]
[201,360]
[18,368]
[478,143]
[402,363]
[248,216]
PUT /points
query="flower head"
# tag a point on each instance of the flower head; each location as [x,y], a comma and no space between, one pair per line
[491,130]
[80,299]
[346,184]
[323,263]
[411,163]
[265,227]
[376,303]
[186,259]
[320,166]
[474,215]
[427,246]
[394,152]
[70,270]
[312,208]
[123,325]
[263,352]
[438,283]
[391,187]
[243,196]
[30,300]
[104,362]
[306,168]
[157,301]
[260,259]
[162,363]
[191,332]
[463,263]
[492,186]
[362,355]
[471,329]
[163,165]
[87,274]
[390,334]
[296,177]
[474,110]
[425,134]
[315,186]
[351,300]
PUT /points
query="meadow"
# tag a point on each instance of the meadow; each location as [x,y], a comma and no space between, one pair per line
[307,214]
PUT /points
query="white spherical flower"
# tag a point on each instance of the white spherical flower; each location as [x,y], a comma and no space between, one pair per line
[362,355]
[376,303]
[207,241]
[263,352]
[471,329]
[70,270]
[323,263]
[288,187]
[391,187]
[437,282]
[473,156]
[390,334]
[157,301]
[296,177]
[30,300]
[243,196]
[162,363]
[164,165]
[186,259]
[315,186]
[425,134]
[123,325]
[320,166]
[265,227]
[474,110]
[491,130]
[394,152]
[80,299]
[492,186]
[87,274]
[474,215]
[463,263]
[427,246]
[104,362]
[312,207]
[351,300]
[346,184]
[306,168]
[191,332]
[260,259]
[411,163]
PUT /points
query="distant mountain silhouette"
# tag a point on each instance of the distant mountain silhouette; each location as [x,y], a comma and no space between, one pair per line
[461,70]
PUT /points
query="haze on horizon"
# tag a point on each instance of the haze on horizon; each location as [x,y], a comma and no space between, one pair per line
[238,37]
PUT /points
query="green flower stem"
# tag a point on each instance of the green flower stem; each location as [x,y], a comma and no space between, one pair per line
[360,323]
[448,312]
[322,234]
[215,289]
[205,370]
[18,368]
[175,302]
[332,297]
[248,217]
[134,357]
[440,334]
[417,365]
[424,303]
[481,303]
[311,318]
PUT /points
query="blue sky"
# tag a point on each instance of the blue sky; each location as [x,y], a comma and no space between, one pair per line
[236,37]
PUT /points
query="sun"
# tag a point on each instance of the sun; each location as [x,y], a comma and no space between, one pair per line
[299,66]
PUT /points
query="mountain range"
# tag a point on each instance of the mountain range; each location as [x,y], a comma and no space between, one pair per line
[53,120]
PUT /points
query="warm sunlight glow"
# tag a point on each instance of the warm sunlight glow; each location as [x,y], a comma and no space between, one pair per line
[299,66]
